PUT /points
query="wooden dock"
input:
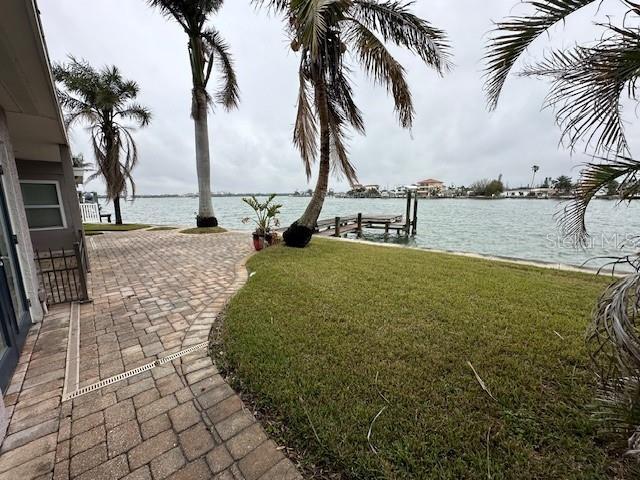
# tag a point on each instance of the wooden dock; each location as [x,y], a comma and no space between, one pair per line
[339,226]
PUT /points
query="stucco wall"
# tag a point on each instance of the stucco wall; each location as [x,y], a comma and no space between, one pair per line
[13,195]
[62,172]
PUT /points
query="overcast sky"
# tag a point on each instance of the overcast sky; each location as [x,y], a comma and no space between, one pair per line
[454,139]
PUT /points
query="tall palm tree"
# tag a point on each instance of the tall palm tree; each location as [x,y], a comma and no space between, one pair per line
[322,32]
[589,84]
[535,170]
[102,100]
[206,49]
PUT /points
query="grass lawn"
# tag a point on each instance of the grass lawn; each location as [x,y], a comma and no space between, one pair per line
[112,227]
[328,337]
[162,229]
[203,230]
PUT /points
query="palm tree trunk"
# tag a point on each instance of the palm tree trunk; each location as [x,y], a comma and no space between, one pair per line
[206,216]
[309,218]
[116,210]
[300,232]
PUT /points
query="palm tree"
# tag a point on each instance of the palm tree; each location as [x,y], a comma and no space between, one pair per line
[322,32]
[206,49]
[588,81]
[102,100]
[588,86]
[563,184]
[535,170]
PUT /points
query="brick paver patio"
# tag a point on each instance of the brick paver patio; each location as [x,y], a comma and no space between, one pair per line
[154,293]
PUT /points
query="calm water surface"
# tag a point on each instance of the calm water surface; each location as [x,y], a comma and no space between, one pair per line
[523,229]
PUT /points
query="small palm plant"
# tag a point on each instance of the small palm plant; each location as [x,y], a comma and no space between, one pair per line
[102,100]
[589,84]
[323,33]
[208,51]
[266,216]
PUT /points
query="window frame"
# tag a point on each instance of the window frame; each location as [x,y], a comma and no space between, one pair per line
[59,206]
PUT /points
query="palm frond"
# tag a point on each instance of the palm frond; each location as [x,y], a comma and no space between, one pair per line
[587,88]
[341,92]
[130,150]
[305,132]
[190,14]
[77,80]
[380,65]
[312,19]
[513,36]
[617,410]
[395,23]
[593,178]
[339,153]
[228,94]
[614,336]
[135,112]
[276,6]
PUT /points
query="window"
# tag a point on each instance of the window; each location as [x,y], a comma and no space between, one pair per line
[43,205]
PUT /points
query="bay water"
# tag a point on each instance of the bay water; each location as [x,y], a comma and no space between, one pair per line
[516,228]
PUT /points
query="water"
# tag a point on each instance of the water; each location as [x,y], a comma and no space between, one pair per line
[523,229]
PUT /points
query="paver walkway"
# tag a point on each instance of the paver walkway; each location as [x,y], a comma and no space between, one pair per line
[154,293]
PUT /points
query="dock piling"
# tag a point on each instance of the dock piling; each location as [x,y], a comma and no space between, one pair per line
[337,227]
[407,225]
[415,214]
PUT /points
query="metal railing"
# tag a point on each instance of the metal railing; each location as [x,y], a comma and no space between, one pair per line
[63,274]
[90,212]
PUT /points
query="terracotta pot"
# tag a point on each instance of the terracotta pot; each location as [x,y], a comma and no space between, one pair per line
[258,242]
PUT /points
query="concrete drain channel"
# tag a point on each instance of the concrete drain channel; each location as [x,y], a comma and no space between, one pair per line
[131,373]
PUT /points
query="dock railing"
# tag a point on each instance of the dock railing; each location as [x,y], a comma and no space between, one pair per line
[407,224]
[90,212]
[339,226]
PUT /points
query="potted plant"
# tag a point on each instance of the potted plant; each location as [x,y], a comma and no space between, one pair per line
[266,217]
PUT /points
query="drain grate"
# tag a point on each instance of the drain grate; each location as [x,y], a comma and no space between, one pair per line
[186,351]
[136,371]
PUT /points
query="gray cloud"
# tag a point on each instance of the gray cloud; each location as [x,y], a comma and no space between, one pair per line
[454,137]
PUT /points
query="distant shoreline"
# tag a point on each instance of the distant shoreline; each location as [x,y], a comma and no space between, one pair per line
[604,197]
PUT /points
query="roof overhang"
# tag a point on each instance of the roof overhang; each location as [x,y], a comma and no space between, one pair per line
[27,90]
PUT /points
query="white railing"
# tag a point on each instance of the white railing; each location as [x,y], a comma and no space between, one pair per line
[90,212]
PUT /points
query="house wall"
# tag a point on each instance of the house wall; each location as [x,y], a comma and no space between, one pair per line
[62,172]
[13,193]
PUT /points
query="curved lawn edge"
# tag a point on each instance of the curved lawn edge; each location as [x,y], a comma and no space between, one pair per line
[251,348]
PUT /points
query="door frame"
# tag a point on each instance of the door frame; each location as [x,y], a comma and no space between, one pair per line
[13,328]
[14,338]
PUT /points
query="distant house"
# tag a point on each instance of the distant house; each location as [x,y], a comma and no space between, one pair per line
[398,192]
[528,192]
[430,187]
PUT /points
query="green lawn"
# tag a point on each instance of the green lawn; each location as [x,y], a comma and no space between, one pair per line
[203,230]
[327,337]
[112,227]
